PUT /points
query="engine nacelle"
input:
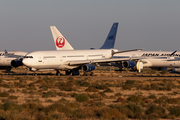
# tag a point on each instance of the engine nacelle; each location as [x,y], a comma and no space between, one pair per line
[139,66]
[16,63]
[128,64]
[88,67]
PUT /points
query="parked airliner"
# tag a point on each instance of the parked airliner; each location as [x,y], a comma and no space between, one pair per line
[70,60]
[5,61]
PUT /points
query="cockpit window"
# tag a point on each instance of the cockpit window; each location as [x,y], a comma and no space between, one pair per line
[28,57]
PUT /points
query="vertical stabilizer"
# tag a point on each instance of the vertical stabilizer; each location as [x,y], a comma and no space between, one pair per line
[60,41]
[110,40]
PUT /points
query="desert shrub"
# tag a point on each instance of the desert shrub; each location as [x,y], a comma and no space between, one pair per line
[118,94]
[103,94]
[173,100]
[74,95]
[62,100]
[91,89]
[12,97]
[134,98]
[39,81]
[11,90]
[11,106]
[83,83]
[31,88]
[57,107]
[126,87]
[24,91]
[49,100]
[44,87]
[155,86]
[175,110]
[4,94]
[5,85]
[101,87]
[99,104]
[61,93]
[31,85]
[124,110]
[153,109]
[1,80]
[162,99]
[152,96]
[32,106]
[67,88]
[130,82]
[120,99]
[108,90]
[82,98]
[50,94]
[57,116]
[94,96]
[72,105]
[135,109]
[109,113]
[70,78]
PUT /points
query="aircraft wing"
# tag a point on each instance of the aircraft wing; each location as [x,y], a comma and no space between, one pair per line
[175,59]
[12,56]
[79,62]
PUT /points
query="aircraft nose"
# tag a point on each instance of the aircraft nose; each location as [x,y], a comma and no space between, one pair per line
[25,62]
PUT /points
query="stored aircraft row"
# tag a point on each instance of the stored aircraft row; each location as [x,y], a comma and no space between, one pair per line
[70,60]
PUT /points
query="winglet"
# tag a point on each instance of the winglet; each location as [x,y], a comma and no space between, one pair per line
[110,40]
[60,41]
[5,51]
[173,53]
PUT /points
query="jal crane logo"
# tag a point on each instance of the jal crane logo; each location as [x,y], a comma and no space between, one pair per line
[60,42]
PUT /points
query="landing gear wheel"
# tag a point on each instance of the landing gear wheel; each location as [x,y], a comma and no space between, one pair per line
[92,74]
[68,72]
[85,74]
[57,73]
[75,72]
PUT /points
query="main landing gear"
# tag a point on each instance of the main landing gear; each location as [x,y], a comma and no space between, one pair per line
[57,73]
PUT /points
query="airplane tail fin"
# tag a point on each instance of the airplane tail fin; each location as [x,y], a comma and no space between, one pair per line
[60,41]
[110,40]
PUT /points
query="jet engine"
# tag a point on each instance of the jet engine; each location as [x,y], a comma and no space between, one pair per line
[139,66]
[88,67]
[128,64]
[16,63]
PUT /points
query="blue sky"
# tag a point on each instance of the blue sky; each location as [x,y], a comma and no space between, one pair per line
[148,24]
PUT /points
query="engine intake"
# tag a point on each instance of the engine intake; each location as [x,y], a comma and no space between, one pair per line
[88,67]
[128,64]
[16,63]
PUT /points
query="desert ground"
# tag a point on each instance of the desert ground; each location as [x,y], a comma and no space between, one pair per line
[106,95]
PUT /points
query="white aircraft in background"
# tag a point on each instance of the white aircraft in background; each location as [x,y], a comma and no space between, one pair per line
[5,61]
[70,60]
[152,59]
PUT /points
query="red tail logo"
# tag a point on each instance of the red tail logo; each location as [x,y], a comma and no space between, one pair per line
[60,42]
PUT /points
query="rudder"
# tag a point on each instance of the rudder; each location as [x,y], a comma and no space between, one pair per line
[60,41]
[110,40]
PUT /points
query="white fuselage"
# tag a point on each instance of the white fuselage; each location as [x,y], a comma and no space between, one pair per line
[60,59]
[153,58]
[6,61]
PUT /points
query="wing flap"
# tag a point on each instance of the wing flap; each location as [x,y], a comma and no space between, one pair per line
[80,62]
